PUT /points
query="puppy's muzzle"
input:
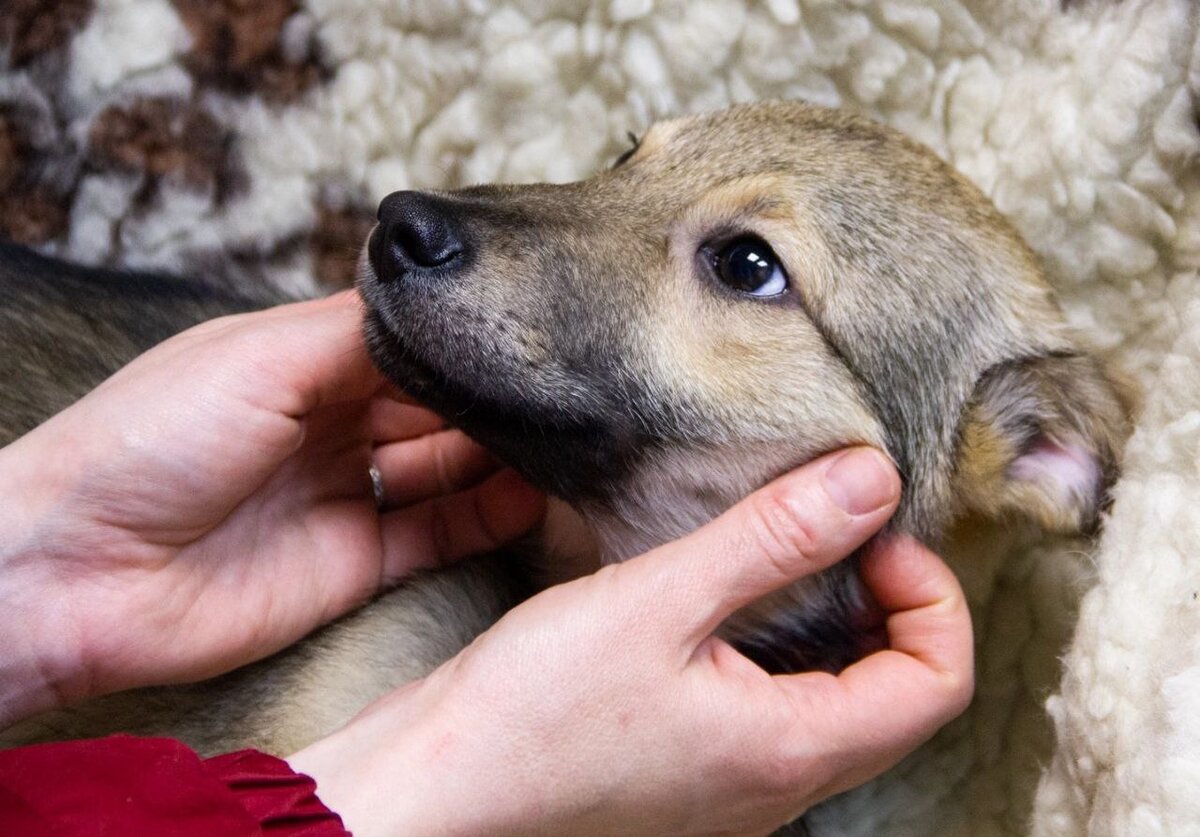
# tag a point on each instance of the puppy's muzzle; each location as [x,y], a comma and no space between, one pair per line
[418,234]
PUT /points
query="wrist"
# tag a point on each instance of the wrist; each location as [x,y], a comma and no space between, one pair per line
[393,769]
[359,772]
[40,667]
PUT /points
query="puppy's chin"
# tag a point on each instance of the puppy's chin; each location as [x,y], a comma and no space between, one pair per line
[569,454]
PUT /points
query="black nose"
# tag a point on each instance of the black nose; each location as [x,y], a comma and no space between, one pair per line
[416,232]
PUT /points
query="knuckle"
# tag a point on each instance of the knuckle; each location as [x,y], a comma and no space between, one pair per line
[956,675]
[779,765]
[786,766]
[959,689]
[443,467]
[784,532]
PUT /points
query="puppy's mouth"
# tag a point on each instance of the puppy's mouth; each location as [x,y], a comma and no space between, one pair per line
[573,455]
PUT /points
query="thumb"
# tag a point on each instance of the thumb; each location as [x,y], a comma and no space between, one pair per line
[795,526]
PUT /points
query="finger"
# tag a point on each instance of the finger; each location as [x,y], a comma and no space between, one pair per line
[894,700]
[392,421]
[295,358]
[436,464]
[927,615]
[797,525]
[330,362]
[496,512]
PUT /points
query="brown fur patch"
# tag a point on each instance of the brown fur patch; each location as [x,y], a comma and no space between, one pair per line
[31,212]
[162,137]
[31,28]
[336,241]
[265,49]
[32,215]
[240,47]
[14,147]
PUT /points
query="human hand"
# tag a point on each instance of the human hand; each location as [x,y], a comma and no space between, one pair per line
[607,706]
[210,503]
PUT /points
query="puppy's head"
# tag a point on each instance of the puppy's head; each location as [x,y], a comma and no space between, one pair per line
[744,291]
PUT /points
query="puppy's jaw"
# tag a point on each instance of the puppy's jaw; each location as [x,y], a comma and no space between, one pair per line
[569,454]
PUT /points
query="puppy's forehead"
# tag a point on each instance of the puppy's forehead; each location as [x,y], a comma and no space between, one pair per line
[776,137]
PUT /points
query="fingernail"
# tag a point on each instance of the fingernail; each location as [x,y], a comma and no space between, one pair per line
[861,481]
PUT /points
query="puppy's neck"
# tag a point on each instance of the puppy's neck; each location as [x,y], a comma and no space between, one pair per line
[671,493]
[666,500]
[575,542]
[569,547]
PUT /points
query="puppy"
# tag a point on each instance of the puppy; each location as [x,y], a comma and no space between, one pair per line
[743,291]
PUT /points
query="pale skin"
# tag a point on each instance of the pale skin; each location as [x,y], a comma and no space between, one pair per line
[210,504]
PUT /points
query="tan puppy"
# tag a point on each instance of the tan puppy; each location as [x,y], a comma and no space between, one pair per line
[745,290]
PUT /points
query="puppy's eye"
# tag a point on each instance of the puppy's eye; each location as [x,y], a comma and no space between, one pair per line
[748,265]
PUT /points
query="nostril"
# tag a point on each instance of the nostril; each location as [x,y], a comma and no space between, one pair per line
[416,231]
[427,241]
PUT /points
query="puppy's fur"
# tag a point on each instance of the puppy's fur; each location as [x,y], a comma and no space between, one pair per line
[583,332]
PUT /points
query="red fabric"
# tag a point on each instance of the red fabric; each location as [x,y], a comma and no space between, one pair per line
[281,800]
[124,785]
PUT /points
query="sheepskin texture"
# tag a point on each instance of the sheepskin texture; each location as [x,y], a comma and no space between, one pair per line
[253,140]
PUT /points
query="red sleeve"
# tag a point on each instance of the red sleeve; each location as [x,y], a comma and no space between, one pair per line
[124,785]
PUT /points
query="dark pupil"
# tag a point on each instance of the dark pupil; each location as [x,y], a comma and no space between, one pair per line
[746,265]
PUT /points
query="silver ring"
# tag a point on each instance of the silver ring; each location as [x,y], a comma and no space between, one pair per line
[376,485]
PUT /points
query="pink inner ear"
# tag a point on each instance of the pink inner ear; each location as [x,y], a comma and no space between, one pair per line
[1065,470]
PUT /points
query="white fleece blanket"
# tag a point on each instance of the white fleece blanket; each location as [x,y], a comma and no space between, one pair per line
[1077,118]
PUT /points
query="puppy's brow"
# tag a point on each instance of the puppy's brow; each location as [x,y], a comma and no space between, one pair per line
[763,205]
[733,207]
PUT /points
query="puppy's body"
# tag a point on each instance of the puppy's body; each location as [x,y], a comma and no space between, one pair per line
[63,329]
[609,340]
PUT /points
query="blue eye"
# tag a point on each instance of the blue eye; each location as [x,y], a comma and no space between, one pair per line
[749,266]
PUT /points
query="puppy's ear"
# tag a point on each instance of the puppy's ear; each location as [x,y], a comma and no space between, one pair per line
[1042,437]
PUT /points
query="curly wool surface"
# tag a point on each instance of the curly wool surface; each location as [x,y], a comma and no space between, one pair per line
[253,139]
